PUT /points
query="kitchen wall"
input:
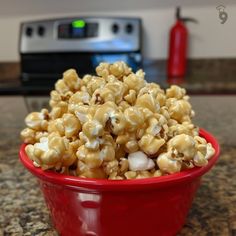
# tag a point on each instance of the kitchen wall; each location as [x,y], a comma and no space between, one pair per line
[208,39]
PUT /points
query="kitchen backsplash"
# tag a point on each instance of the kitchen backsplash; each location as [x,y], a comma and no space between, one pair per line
[208,39]
[9,72]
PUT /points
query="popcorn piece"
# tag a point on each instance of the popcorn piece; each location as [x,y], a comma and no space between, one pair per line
[134,118]
[59,110]
[93,159]
[61,87]
[210,151]
[107,153]
[143,174]
[117,122]
[82,113]
[71,125]
[124,165]
[148,101]
[175,92]
[111,168]
[154,128]
[131,97]
[84,171]
[161,99]
[140,161]
[180,110]
[92,129]
[55,98]
[56,126]
[147,114]
[141,74]
[28,135]
[59,103]
[102,95]
[152,89]
[131,175]
[184,128]
[184,145]
[104,112]
[137,174]
[168,164]
[119,69]
[111,124]
[118,89]
[157,173]
[150,145]
[37,120]
[71,79]
[123,105]
[131,146]
[79,98]
[204,148]
[51,152]
[103,69]
[94,84]
[134,82]
[199,159]
[68,125]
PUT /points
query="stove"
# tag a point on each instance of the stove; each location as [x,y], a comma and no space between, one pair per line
[49,47]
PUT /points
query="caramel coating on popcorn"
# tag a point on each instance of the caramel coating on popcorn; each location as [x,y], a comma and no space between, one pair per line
[115,125]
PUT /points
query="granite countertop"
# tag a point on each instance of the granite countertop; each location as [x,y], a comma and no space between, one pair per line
[22,208]
[203,76]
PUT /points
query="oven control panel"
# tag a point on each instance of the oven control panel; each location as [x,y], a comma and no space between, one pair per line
[77,29]
[81,34]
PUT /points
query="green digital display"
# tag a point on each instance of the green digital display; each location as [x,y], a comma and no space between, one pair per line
[78,24]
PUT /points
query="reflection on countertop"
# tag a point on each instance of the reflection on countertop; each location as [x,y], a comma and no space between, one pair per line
[204,76]
[22,208]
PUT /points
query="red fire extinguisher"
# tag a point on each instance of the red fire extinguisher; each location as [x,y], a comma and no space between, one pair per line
[178,44]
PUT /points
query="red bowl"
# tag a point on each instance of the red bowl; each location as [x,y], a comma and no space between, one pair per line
[140,207]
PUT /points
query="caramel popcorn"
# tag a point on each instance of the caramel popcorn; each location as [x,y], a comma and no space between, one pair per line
[115,125]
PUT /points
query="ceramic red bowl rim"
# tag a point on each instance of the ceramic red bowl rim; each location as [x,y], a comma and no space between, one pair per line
[118,185]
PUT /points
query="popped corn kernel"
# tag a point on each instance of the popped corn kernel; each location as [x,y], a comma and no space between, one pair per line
[115,125]
[72,79]
[61,86]
[119,69]
[184,145]
[199,159]
[134,82]
[175,92]
[93,159]
[134,118]
[103,69]
[28,135]
[140,161]
[147,101]
[150,145]
[180,110]
[131,97]
[168,164]
[37,120]
[94,84]
[111,168]
[84,171]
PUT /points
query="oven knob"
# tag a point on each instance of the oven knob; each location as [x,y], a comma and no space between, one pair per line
[41,31]
[129,28]
[29,31]
[115,28]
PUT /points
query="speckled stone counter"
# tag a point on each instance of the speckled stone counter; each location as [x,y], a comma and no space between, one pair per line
[22,208]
